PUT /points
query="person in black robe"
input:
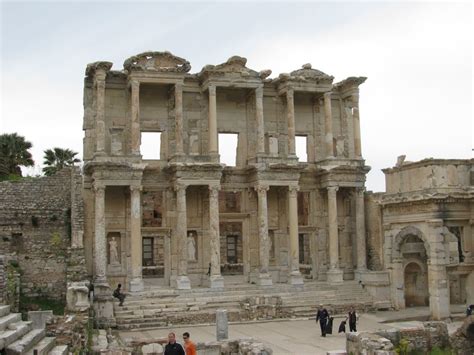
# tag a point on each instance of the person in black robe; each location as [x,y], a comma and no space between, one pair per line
[342,327]
[322,316]
[352,316]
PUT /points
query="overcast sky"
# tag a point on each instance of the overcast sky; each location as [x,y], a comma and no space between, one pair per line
[417,57]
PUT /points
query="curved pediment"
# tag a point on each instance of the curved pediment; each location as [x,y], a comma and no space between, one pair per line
[158,62]
[92,68]
[308,73]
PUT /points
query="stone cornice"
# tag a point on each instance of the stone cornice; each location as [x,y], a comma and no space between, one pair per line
[428,162]
[429,196]
[350,84]
[93,68]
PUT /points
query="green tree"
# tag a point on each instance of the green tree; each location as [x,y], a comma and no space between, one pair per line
[14,153]
[57,158]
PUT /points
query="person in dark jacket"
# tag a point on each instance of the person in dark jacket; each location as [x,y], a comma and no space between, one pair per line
[173,348]
[118,294]
[352,316]
[342,326]
[322,316]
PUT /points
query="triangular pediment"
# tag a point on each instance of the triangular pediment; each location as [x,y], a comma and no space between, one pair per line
[158,62]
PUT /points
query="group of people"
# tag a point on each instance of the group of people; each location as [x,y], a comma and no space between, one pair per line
[175,348]
[325,321]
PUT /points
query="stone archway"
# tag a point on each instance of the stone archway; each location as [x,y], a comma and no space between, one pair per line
[416,285]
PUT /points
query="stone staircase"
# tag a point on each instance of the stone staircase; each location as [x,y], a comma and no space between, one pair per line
[19,337]
[160,306]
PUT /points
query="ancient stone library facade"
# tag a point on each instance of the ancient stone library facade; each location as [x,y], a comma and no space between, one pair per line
[182,219]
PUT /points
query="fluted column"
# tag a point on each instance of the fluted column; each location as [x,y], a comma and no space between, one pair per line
[217,281]
[356,124]
[136,283]
[260,121]
[100,256]
[334,274]
[328,125]
[182,281]
[360,230]
[100,111]
[212,120]
[264,277]
[290,111]
[135,117]
[178,109]
[295,277]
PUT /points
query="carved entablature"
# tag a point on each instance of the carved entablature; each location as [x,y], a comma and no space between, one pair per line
[349,85]
[93,68]
[304,79]
[157,62]
[232,73]
[343,176]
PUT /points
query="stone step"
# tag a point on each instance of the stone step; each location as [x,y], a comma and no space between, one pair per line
[59,350]
[14,332]
[5,321]
[43,347]
[24,344]
[4,310]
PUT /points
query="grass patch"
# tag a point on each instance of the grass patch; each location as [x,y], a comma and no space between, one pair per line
[41,304]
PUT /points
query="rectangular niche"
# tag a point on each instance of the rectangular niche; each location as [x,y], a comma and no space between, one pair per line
[152,208]
[192,244]
[114,248]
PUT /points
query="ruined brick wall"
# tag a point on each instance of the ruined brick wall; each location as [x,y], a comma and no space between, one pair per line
[36,226]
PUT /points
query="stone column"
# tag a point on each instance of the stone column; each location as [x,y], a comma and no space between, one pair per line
[264,277]
[439,291]
[212,121]
[260,121]
[360,230]
[290,111]
[100,113]
[328,125]
[136,283]
[100,256]
[397,284]
[295,277]
[334,274]
[178,109]
[217,281]
[135,119]
[182,281]
[356,125]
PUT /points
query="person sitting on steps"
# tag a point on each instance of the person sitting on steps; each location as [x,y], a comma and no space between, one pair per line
[118,294]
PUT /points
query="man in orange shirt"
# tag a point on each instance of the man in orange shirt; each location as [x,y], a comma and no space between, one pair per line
[189,346]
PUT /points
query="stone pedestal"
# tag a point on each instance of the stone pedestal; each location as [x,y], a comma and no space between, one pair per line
[222,326]
[296,279]
[183,283]
[334,275]
[264,279]
[104,306]
[217,281]
[136,285]
[76,296]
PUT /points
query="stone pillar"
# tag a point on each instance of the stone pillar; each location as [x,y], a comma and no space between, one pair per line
[360,231]
[260,121]
[264,278]
[212,121]
[334,274]
[295,277]
[328,125]
[135,134]
[136,283]
[290,111]
[397,284]
[222,325]
[217,281]
[182,281]
[100,257]
[100,111]
[178,109]
[439,291]
[356,125]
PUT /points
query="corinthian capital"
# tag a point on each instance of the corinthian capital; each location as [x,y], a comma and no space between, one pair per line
[261,188]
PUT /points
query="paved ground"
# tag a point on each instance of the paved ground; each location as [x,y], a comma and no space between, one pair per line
[291,336]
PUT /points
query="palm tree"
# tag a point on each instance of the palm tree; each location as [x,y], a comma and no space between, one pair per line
[57,158]
[14,153]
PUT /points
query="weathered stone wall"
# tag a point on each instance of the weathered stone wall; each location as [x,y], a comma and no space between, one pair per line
[373,223]
[36,227]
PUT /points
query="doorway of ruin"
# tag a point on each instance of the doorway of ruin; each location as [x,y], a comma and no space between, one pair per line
[416,285]
[232,263]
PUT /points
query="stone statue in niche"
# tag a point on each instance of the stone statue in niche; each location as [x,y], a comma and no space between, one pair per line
[192,246]
[113,252]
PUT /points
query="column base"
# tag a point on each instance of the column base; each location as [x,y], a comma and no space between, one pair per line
[334,276]
[102,288]
[295,278]
[264,279]
[136,285]
[359,274]
[217,281]
[183,283]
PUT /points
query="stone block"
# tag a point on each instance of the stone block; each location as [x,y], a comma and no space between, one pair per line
[39,318]
[154,348]
[222,326]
